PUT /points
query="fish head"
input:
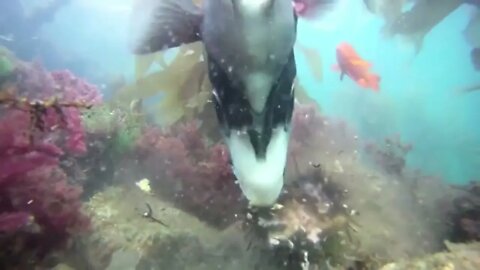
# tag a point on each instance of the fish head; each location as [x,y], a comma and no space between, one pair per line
[249,48]
[257,141]
[345,54]
[260,178]
[346,50]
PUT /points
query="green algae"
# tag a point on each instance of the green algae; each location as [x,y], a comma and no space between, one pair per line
[7,63]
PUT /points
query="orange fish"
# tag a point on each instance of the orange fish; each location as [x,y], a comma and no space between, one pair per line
[351,64]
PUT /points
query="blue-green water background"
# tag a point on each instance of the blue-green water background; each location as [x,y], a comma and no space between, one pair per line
[418,97]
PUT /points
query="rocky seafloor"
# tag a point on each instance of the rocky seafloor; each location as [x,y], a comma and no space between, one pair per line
[72,193]
[337,213]
[124,239]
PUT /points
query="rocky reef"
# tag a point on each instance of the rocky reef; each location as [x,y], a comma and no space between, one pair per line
[465,215]
[390,156]
[311,225]
[457,256]
[187,169]
[123,238]
[337,211]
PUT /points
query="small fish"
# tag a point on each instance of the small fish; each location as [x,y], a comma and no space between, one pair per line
[144,185]
[352,65]
[149,215]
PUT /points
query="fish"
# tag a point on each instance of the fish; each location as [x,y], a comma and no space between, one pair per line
[251,67]
[352,65]
[417,22]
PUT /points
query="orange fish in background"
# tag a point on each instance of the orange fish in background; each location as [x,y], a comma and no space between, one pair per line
[351,64]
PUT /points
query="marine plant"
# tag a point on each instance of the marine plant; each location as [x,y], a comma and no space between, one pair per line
[193,169]
[117,123]
[7,64]
[183,83]
[111,130]
[185,168]
[40,124]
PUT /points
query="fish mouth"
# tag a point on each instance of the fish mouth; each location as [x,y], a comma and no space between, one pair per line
[260,178]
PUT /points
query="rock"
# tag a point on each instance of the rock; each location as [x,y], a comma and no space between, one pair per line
[122,236]
[458,257]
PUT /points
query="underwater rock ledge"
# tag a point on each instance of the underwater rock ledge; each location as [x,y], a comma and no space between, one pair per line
[458,257]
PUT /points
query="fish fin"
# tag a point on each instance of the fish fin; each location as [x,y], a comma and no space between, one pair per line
[374,81]
[342,74]
[363,83]
[418,46]
[468,89]
[158,25]
[369,6]
[418,42]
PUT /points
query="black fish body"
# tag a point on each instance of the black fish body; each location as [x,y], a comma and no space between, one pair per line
[249,47]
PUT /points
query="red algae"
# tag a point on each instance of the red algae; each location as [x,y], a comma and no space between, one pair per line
[185,169]
[40,211]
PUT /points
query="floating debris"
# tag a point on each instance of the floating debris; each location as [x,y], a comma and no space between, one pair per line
[144,185]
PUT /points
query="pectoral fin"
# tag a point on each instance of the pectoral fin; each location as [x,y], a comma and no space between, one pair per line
[158,25]
[418,42]
[363,83]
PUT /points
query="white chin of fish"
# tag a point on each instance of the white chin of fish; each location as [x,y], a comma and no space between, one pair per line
[261,181]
